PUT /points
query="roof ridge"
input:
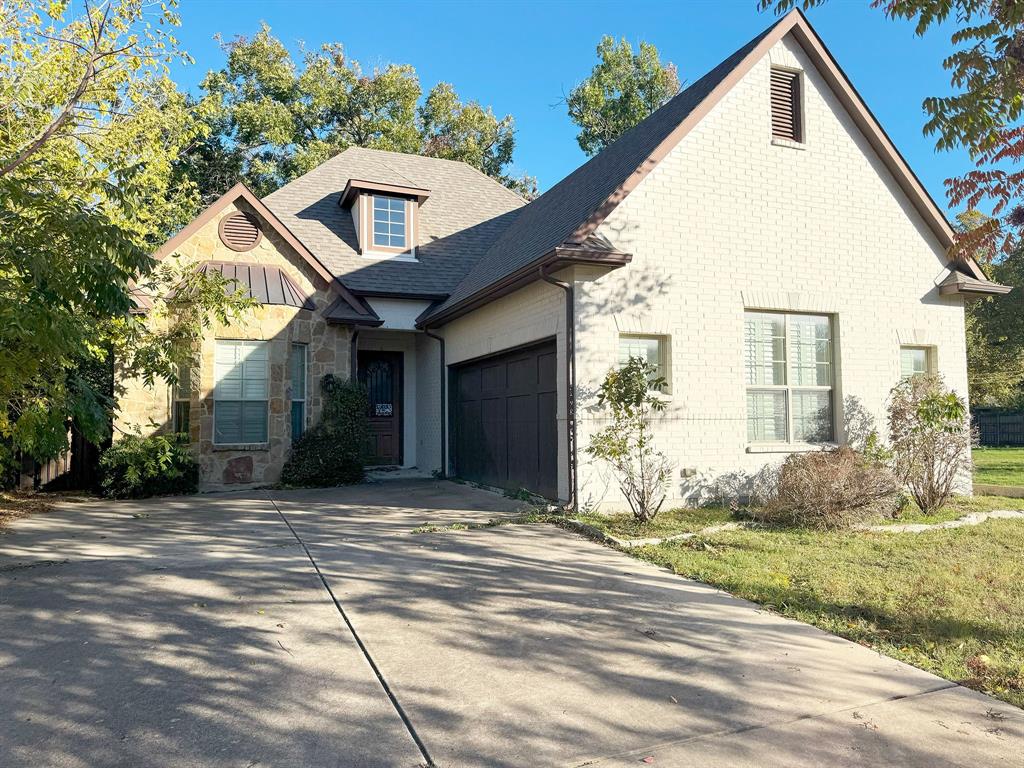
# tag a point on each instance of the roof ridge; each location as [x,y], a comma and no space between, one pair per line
[622,166]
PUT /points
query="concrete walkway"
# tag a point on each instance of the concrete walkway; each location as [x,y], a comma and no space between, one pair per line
[197,631]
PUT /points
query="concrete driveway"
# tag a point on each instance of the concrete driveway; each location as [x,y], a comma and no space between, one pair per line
[198,632]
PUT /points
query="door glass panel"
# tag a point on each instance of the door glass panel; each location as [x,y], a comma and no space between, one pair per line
[379,380]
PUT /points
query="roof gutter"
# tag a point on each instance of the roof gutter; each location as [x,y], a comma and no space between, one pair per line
[557,258]
[570,381]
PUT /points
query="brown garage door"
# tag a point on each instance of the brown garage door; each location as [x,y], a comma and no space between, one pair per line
[504,420]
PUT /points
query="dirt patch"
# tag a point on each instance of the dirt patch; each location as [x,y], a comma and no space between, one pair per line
[14,504]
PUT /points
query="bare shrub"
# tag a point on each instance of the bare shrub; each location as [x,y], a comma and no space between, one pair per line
[826,490]
[931,437]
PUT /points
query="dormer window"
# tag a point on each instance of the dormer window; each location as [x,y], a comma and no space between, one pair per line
[386,217]
[389,222]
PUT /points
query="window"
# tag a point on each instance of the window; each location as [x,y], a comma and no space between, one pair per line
[788,361]
[650,349]
[240,392]
[915,361]
[389,222]
[182,399]
[297,363]
[785,99]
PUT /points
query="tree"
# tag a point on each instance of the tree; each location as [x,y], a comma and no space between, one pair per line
[623,88]
[983,115]
[471,133]
[273,120]
[89,126]
[995,337]
[631,395]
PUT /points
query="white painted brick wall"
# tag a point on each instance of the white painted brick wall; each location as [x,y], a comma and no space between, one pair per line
[730,220]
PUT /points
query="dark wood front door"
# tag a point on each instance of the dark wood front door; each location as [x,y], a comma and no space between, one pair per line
[381,374]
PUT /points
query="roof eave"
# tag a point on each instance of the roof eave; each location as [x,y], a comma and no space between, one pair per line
[971,288]
[354,186]
[560,257]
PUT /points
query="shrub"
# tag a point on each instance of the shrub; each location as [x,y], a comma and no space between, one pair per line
[630,393]
[136,466]
[930,435]
[335,450]
[828,490]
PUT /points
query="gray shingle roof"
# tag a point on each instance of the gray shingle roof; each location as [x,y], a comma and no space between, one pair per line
[554,216]
[463,215]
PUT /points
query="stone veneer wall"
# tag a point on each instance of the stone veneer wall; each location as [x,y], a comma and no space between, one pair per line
[328,352]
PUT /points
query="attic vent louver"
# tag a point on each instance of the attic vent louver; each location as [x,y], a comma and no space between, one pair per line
[786,105]
[240,231]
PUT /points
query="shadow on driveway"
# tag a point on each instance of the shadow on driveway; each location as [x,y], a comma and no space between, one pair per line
[199,634]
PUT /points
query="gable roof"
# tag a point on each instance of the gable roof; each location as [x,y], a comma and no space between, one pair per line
[241,192]
[461,213]
[571,211]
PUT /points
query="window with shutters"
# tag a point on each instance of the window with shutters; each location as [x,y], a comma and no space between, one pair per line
[788,362]
[916,361]
[651,349]
[787,122]
[240,392]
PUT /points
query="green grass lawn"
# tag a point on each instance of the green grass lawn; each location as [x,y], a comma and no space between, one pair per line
[667,523]
[948,601]
[999,466]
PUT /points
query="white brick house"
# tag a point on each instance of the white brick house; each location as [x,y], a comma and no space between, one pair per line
[759,237]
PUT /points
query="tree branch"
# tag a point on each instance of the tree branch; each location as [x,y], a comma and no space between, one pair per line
[53,127]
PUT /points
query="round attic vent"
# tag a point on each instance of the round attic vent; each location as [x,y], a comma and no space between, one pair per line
[240,231]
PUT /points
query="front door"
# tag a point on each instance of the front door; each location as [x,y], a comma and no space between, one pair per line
[381,374]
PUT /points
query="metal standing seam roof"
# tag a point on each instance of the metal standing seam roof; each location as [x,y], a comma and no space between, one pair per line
[268,285]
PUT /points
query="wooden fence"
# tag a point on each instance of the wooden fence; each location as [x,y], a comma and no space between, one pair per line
[75,469]
[999,427]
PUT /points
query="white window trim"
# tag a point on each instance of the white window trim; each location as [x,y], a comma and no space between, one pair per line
[373,252]
[790,445]
[235,444]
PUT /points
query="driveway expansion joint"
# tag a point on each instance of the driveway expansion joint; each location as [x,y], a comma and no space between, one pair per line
[428,760]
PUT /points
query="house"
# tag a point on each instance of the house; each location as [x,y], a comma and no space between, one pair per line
[758,238]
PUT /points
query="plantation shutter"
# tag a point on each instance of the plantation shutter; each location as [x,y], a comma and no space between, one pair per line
[786,105]
[240,391]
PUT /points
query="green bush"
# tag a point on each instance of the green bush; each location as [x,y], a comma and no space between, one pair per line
[158,465]
[335,451]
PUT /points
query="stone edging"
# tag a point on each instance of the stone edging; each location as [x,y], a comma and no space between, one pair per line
[972,519]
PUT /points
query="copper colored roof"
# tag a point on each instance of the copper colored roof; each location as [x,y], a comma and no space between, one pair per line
[268,285]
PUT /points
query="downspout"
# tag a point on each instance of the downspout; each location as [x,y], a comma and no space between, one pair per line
[570,381]
[353,363]
[443,386]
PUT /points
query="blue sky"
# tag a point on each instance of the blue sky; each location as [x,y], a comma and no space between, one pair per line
[522,57]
